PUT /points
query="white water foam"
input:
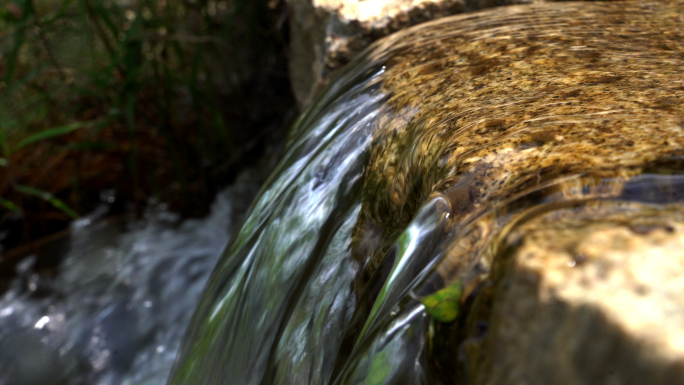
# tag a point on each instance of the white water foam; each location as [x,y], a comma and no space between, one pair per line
[117,311]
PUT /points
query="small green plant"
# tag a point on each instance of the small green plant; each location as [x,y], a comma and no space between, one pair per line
[7,152]
[445,304]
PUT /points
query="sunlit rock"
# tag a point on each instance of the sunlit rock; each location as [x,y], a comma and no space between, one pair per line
[583,297]
[492,105]
[326,34]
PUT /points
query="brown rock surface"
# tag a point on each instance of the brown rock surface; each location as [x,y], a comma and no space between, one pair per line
[572,103]
[585,299]
[484,106]
[326,34]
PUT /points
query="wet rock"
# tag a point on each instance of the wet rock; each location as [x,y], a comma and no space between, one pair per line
[500,117]
[593,300]
[482,108]
[326,34]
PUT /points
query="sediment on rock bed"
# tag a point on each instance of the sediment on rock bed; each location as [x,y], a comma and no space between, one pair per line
[582,99]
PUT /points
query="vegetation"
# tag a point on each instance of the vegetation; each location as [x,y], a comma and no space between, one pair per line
[150,98]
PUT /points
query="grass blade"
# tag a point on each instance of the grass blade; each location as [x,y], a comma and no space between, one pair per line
[9,205]
[49,133]
[46,196]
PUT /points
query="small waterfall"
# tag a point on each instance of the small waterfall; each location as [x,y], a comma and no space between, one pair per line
[402,195]
[276,303]
[409,179]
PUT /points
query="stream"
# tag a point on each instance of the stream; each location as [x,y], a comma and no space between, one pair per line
[117,309]
[380,225]
[407,181]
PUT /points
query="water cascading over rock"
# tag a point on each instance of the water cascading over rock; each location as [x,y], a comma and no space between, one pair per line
[491,198]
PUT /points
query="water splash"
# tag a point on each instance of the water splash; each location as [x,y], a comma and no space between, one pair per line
[118,307]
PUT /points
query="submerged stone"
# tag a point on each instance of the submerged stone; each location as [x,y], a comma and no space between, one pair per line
[492,104]
[494,197]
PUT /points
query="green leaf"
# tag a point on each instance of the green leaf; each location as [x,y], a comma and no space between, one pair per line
[444,305]
[49,133]
[9,205]
[46,196]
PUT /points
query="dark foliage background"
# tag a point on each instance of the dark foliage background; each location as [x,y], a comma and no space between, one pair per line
[133,100]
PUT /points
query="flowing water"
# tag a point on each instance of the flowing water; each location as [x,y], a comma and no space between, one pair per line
[123,296]
[373,232]
[287,303]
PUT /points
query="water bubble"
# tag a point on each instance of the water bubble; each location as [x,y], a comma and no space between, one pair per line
[108,196]
[42,322]
[26,265]
[7,311]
